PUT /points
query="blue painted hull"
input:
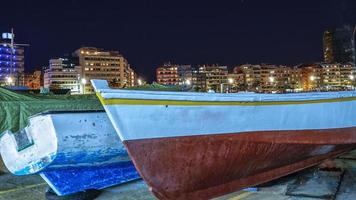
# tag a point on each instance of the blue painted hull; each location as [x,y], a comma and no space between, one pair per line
[72,152]
[71,180]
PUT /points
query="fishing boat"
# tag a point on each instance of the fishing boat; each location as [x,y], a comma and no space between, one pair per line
[72,151]
[201,145]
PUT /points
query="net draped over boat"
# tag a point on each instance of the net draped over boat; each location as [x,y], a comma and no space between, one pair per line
[15,108]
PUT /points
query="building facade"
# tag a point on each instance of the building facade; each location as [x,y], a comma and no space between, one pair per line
[32,80]
[215,77]
[107,65]
[304,77]
[167,74]
[201,78]
[311,76]
[63,73]
[174,74]
[12,62]
[198,80]
[339,45]
[131,77]
[263,78]
[237,80]
[251,74]
[337,76]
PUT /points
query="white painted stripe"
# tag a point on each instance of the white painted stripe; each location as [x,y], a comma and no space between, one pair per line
[102,87]
[191,96]
[157,121]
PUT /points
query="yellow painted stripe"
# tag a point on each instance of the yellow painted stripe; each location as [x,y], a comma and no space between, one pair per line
[243,195]
[101,99]
[116,101]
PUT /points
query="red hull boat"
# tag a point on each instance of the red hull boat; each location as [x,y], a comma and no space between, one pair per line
[201,145]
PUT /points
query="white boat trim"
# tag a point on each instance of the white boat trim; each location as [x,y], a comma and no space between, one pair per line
[141,120]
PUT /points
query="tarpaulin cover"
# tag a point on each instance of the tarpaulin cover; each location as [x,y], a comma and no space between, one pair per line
[16,108]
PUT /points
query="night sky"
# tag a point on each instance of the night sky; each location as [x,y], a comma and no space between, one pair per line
[149,33]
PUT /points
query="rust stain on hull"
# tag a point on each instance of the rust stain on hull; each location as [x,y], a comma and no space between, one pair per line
[203,167]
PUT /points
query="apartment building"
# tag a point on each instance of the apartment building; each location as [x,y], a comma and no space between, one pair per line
[215,76]
[174,74]
[336,76]
[107,65]
[63,73]
[32,80]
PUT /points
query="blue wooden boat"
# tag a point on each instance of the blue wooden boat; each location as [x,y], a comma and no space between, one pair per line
[72,151]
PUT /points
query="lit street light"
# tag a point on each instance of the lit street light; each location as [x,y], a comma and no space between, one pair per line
[188,83]
[352,78]
[185,85]
[271,79]
[84,82]
[139,81]
[230,80]
[272,83]
[9,80]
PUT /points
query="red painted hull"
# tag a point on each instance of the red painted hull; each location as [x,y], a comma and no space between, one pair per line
[202,167]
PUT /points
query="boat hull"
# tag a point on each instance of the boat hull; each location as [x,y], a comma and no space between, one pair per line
[202,167]
[71,151]
[202,145]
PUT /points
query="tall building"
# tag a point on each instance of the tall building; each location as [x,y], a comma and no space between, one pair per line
[215,75]
[252,76]
[295,79]
[101,64]
[311,76]
[201,78]
[339,45]
[238,80]
[277,79]
[265,78]
[173,74]
[198,80]
[63,73]
[12,60]
[337,76]
[167,74]
[131,78]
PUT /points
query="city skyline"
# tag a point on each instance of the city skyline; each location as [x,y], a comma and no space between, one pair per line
[148,34]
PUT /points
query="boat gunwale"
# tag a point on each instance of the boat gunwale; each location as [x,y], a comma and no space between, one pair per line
[109,96]
[215,102]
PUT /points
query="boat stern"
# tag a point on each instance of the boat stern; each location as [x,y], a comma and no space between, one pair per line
[29,151]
